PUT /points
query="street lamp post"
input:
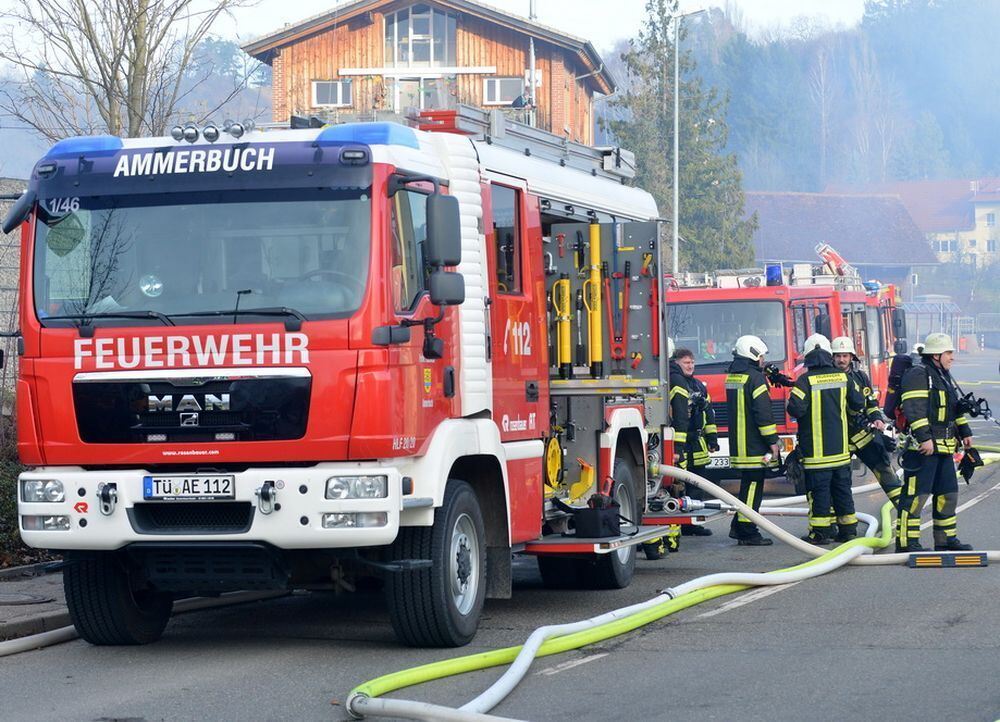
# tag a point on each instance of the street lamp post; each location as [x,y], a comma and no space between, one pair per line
[677,114]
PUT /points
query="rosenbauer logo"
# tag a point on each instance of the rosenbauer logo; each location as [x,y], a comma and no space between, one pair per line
[238,349]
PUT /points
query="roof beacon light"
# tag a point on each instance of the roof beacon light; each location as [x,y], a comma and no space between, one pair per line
[190,133]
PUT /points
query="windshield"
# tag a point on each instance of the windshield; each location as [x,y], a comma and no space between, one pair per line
[167,256]
[710,330]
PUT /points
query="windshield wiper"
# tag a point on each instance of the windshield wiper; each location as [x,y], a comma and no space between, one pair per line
[290,325]
[87,317]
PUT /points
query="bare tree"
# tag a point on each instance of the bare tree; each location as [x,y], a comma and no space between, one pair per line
[115,66]
[822,90]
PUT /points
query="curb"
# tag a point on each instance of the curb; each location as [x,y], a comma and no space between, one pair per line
[34,625]
[28,570]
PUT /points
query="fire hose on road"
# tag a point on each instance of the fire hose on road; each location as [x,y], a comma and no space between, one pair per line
[365,700]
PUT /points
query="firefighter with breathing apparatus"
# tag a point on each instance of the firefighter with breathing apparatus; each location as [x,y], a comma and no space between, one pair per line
[865,428]
[753,435]
[930,407]
[820,401]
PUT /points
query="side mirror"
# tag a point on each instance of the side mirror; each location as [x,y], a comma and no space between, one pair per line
[443,246]
[446,288]
[19,211]
[900,346]
[899,322]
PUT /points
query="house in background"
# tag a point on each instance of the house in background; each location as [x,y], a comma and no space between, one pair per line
[378,58]
[959,217]
[873,233]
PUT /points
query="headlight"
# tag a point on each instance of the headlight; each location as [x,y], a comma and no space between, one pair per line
[36,490]
[45,523]
[357,487]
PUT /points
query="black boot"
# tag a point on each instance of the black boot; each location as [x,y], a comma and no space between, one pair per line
[695,530]
[847,532]
[654,549]
[755,541]
[913,546]
[953,545]
[818,539]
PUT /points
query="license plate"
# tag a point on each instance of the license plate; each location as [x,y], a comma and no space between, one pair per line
[188,488]
[718,462]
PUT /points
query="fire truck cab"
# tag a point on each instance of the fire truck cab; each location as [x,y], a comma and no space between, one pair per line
[783,306]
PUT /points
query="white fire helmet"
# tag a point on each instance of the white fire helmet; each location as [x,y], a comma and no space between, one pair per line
[816,341]
[670,347]
[750,347]
[937,343]
[843,344]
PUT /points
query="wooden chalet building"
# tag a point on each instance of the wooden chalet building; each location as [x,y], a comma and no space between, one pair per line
[366,59]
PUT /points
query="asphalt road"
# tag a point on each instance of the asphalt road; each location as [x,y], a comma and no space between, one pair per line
[860,643]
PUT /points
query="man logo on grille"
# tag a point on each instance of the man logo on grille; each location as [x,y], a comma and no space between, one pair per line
[189,419]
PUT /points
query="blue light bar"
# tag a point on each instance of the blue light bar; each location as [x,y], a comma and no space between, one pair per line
[86,145]
[369,134]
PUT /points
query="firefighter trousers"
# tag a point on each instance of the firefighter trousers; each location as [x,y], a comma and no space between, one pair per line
[923,476]
[751,494]
[826,489]
[876,459]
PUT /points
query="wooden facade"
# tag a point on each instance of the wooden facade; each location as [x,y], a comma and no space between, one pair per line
[349,44]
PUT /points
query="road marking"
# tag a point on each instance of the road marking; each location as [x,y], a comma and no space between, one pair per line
[746,599]
[971,502]
[569,665]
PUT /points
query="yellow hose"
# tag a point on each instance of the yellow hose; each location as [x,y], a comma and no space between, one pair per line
[484,660]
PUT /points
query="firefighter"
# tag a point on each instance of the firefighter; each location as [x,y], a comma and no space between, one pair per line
[820,401]
[753,435]
[702,433]
[678,401]
[865,428]
[930,405]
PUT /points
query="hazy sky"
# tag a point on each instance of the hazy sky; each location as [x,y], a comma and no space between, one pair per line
[590,19]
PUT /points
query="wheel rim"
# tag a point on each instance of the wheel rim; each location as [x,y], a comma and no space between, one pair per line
[623,495]
[464,570]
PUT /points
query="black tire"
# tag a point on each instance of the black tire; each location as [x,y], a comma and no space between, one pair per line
[616,569]
[107,607]
[441,606]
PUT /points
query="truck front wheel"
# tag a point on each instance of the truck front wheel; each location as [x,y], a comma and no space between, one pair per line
[107,603]
[440,606]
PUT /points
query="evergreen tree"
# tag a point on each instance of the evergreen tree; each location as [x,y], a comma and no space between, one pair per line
[713,230]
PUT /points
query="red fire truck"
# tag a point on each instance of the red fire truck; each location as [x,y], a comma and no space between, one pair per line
[783,306]
[293,358]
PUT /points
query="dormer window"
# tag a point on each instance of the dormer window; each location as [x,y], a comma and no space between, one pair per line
[420,36]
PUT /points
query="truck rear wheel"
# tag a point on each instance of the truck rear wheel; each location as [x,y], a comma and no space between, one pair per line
[616,569]
[440,606]
[108,606]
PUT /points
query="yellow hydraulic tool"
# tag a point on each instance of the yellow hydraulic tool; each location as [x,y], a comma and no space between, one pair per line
[585,483]
[592,301]
[562,303]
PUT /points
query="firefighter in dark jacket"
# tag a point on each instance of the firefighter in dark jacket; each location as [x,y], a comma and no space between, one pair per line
[702,433]
[930,405]
[820,401]
[753,435]
[863,426]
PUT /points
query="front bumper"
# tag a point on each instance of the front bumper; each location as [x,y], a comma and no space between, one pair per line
[295,522]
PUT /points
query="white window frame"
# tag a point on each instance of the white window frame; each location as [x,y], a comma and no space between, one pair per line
[487,82]
[991,220]
[434,62]
[340,83]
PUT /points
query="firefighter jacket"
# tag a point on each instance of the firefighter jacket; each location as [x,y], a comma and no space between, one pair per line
[858,421]
[752,430]
[702,431]
[680,414]
[820,401]
[930,405]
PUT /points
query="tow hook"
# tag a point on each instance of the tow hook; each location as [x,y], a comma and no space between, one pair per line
[107,498]
[266,495]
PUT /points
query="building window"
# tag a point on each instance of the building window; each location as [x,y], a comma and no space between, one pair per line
[972,243]
[953,246]
[331,93]
[991,246]
[991,220]
[501,91]
[420,37]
